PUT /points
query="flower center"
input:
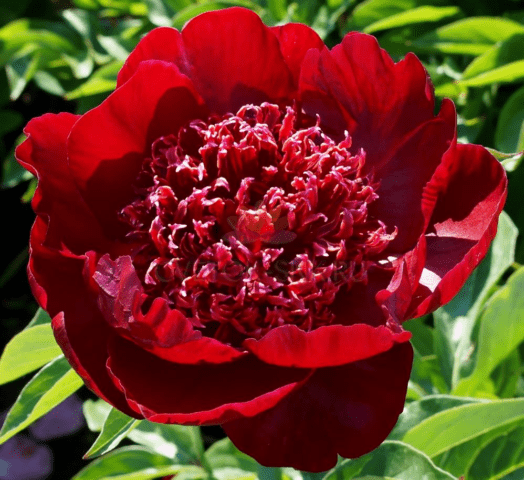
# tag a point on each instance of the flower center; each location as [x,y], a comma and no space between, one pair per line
[250,221]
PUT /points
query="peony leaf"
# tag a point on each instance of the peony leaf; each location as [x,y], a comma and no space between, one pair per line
[455,321]
[509,73]
[27,351]
[223,454]
[136,463]
[392,460]
[416,412]
[426,13]
[372,11]
[115,429]
[501,331]
[96,413]
[456,426]
[181,443]
[471,36]
[50,386]
[510,50]
[102,81]
[509,134]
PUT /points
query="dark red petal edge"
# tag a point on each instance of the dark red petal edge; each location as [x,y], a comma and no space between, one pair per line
[161,330]
[108,144]
[468,190]
[226,69]
[167,392]
[327,346]
[347,410]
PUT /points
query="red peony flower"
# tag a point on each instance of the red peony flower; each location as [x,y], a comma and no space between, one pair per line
[237,233]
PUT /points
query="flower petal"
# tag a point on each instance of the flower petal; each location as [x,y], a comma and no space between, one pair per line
[295,41]
[163,331]
[327,346]
[388,111]
[347,410]
[469,191]
[57,199]
[212,51]
[108,144]
[167,392]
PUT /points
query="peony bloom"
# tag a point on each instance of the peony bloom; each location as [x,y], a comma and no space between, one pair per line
[237,233]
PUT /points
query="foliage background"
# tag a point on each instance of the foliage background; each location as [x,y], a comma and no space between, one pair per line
[464,412]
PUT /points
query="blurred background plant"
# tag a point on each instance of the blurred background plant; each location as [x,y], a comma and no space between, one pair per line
[464,413]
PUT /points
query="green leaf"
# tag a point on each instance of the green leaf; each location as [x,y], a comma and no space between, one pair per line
[455,321]
[115,429]
[29,34]
[179,442]
[159,13]
[416,412]
[41,318]
[372,11]
[509,134]
[27,351]
[102,81]
[471,36]
[49,387]
[96,413]
[20,71]
[223,454]
[278,8]
[135,463]
[510,161]
[509,73]
[500,457]
[510,50]
[416,15]
[445,430]
[392,460]
[501,331]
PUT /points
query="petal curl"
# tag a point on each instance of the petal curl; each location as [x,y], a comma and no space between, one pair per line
[108,144]
[327,346]
[163,331]
[69,220]
[347,410]
[469,190]
[387,109]
[295,40]
[167,392]
[212,51]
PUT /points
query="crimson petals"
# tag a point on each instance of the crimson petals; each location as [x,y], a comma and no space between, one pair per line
[347,410]
[295,41]
[198,394]
[157,101]
[227,71]
[469,190]
[327,346]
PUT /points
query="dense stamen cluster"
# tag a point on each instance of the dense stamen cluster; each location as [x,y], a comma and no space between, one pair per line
[250,221]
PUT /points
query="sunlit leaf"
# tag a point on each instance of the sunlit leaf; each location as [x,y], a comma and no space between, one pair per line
[49,387]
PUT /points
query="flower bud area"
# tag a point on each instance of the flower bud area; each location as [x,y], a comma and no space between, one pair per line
[253,220]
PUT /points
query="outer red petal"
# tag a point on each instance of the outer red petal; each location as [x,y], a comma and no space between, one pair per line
[161,330]
[65,223]
[167,392]
[295,41]
[388,110]
[108,144]
[231,57]
[328,346]
[470,188]
[347,410]
[69,220]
